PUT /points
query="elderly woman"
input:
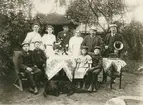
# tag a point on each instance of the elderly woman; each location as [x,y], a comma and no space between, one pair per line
[75,44]
[33,36]
[48,41]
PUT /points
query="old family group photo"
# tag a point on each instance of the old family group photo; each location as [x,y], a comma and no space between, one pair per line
[71,52]
[69,63]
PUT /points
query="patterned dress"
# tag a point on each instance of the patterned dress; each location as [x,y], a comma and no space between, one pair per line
[82,66]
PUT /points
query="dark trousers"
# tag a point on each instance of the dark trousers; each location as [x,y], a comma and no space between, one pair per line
[92,76]
[33,76]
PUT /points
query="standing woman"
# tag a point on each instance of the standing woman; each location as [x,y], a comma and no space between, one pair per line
[33,36]
[75,44]
[48,41]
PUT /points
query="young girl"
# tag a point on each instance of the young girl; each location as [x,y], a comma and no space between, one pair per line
[83,64]
[48,41]
[75,44]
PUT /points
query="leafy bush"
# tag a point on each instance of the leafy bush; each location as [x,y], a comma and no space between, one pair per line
[133,35]
[14,32]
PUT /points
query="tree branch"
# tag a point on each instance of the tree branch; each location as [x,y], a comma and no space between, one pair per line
[102,14]
[90,5]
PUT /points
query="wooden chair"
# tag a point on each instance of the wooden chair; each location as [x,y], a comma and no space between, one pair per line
[119,75]
[112,75]
[20,76]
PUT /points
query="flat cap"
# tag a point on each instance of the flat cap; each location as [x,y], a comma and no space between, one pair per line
[37,42]
[25,43]
[93,28]
[97,47]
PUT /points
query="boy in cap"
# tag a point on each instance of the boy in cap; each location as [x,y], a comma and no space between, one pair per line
[26,66]
[38,56]
[95,69]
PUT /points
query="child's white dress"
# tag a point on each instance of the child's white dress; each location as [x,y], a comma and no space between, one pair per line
[82,66]
[74,46]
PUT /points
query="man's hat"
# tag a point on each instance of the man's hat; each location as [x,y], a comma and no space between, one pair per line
[93,28]
[84,47]
[97,47]
[37,42]
[25,43]
[112,25]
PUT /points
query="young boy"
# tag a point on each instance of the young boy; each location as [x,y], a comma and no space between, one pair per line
[38,56]
[96,68]
[83,64]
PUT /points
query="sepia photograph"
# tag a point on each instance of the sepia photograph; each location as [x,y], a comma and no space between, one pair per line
[71,52]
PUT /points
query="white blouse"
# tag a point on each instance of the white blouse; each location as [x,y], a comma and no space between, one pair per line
[48,39]
[74,45]
[31,38]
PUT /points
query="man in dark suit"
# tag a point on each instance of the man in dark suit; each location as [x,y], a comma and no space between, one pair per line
[111,38]
[27,66]
[38,56]
[92,40]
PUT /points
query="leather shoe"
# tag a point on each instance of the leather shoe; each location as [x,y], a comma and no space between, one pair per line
[31,89]
[35,90]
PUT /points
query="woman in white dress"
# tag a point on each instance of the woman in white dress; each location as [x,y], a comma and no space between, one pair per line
[75,44]
[48,41]
[33,36]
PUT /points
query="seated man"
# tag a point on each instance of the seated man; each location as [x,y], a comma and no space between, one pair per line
[26,66]
[92,73]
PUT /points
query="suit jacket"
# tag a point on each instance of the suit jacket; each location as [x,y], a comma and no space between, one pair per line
[92,42]
[25,60]
[109,40]
[97,61]
[38,57]
[64,39]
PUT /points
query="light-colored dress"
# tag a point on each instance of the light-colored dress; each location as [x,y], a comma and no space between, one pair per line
[31,38]
[82,66]
[48,41]
[74,46]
